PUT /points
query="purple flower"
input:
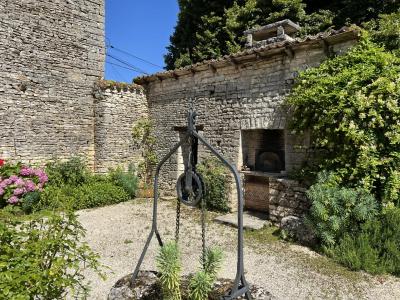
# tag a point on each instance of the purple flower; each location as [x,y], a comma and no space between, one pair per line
[43,178]
[14,178]
[1,191]
[19,182]
[25,171]
[19,191]
[5,182]
[13,200]
[30,186]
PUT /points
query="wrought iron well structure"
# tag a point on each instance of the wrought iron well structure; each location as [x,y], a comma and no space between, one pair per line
[190,190]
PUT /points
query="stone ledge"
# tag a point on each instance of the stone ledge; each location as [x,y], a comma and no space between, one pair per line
[111,85]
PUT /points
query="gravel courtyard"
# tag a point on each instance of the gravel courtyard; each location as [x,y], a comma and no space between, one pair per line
[288,271]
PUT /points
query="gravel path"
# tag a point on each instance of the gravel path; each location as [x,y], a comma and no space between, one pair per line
[288,271]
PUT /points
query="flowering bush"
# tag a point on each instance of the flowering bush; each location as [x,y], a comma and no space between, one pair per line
[18,182]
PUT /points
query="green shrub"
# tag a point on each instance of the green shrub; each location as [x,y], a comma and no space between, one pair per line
[97,194]
[88,195]
[71,172]
[337,210]
[30,202]
[44,258]
[375,248]
[350,104]
[127,180]
[216,184]
[170,267]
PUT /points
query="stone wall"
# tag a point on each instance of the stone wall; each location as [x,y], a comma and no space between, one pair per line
[51,54]
[241,92]
[117,108]
[287,198]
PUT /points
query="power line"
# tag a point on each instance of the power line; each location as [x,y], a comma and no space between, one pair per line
[123,67]
[127,64]
[134,56]
[118,73]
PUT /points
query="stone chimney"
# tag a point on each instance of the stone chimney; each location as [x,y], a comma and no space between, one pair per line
[272,33]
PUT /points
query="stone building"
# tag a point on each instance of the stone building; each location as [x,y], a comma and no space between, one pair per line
[53,105]
[239,100]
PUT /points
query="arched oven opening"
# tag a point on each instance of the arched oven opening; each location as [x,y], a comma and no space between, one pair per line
[269,161]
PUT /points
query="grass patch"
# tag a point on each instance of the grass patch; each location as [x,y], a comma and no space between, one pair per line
[266,235]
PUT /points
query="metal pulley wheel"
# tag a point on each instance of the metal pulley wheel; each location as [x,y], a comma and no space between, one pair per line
[194,195]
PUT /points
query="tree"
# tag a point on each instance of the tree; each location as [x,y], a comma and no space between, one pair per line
[210,29]
[198,21]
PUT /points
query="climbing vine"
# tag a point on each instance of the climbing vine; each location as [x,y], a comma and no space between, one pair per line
[351,104]
[143,137]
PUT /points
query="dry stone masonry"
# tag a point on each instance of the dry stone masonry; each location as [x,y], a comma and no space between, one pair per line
[117,108]
[51,54]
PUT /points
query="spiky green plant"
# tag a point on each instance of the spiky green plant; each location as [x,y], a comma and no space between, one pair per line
[200,285]
[202,282]
[212,261]
[170,267]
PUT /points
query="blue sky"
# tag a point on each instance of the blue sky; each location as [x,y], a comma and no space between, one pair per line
[140,28]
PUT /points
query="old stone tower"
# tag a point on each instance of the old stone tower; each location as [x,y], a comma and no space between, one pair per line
[51,54]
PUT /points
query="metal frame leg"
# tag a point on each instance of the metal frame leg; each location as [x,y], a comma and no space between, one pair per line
[154,229]
[240,286]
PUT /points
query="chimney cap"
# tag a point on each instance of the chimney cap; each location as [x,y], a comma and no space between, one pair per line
[270,29]
[272,33]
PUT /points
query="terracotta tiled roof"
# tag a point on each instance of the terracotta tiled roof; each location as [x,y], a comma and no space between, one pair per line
[328,38]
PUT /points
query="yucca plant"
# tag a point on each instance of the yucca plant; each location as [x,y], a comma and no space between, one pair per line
[170,267]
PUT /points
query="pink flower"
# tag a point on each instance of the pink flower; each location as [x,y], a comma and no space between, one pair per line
[1,191]
[19,191]
[19,182]
[5,182]
[30,186]
[43,178]
[25,171]
[13,200]
[14,178]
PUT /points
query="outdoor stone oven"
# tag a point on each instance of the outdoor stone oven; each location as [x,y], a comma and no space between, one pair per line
[264,150]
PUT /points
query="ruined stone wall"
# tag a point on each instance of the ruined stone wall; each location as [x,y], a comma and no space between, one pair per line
[51,54]
[229,99]
[117,109]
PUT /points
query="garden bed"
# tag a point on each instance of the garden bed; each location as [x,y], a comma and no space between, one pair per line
[147,287]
